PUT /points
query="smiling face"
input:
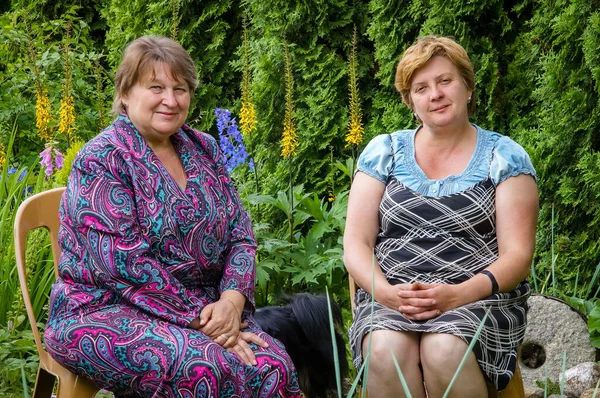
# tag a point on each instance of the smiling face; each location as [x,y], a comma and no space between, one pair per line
[439,95]
[158,105]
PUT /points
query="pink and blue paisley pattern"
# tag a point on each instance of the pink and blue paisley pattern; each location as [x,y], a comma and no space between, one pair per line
[141,258]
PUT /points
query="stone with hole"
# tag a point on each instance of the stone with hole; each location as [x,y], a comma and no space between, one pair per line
[553,327]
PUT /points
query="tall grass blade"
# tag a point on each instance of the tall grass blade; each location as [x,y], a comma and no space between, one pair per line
[576,283]
[589,288]
[357,379]
[545,283]
[402,380]
[562,374]
[598,289]
[366,374]
[464,359]
[534,277]
[338,377]
[24,381]
[545,382]
[596,389]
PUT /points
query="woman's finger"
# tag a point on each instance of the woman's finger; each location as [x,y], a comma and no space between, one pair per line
[250,337]
[206,314]
[423,315]
[243,350]
[429,293]
[232,337]
[417,302]
[412,310]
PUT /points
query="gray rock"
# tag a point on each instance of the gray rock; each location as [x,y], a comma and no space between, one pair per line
[589,393]
[535,392]
[556,327]
[580,378]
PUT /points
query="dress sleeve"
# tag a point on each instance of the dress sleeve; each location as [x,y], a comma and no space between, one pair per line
[376,159]
[101,210]
[509,159]
[239,270]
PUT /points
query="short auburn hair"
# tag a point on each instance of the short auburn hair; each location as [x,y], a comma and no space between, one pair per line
[424,49]
[139,59]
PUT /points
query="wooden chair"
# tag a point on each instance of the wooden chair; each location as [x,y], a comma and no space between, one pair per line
[515,386]
[41,210]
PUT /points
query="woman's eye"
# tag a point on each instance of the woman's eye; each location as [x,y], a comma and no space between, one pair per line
[180,89]
[420,89]
[445,81]
[155,88]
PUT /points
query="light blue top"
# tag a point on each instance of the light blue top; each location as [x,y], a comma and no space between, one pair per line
[495,155]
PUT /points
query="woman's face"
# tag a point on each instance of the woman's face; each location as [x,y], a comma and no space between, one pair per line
[439,94]
[158,106]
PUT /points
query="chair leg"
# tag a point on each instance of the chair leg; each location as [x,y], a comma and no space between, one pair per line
[75,386]
[492,392]
[515,387]
[44,384]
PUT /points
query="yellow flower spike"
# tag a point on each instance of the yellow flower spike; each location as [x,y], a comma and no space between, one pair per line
[2,156]
[248,120]
[355,127]
[175,18]
[66,120]
[43,112]
[289,140]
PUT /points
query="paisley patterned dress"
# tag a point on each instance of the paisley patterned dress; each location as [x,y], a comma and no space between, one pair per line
[444,231]
[141,258]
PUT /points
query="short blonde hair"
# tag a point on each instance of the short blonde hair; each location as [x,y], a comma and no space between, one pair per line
[425,48]
[139,59]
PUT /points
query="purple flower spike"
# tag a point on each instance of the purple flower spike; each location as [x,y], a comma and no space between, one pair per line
[230,140]
[46,161]
[59,159]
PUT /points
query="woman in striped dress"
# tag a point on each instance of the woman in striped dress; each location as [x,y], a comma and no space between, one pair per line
[449,210]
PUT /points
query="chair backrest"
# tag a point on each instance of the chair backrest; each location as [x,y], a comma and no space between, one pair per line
[40,210]
[352,292]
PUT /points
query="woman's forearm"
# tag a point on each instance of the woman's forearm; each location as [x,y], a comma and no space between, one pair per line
[362,265]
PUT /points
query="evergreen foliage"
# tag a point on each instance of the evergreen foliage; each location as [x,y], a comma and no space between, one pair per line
[554,80]
[537,66]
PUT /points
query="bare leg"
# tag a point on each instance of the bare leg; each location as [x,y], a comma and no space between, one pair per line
[383,380]
[440,356]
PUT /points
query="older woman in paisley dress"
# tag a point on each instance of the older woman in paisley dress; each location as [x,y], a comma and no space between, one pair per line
[450,211]
[156,288]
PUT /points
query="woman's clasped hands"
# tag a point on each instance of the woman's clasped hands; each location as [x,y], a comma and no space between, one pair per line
[221,322]
[422,301]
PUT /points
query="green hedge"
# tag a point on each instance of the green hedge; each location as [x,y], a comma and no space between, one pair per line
[537,74]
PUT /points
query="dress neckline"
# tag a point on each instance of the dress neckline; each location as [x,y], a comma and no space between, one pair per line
[410,161]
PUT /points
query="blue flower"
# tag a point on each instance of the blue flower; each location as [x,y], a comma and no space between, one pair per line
[12,170]
[230,141]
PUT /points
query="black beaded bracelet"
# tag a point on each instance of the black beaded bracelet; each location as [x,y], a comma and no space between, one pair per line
[492,279]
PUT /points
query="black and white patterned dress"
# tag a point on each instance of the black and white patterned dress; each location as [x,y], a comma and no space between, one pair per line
[445,239]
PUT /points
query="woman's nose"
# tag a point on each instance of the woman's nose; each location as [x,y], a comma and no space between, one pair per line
[169,98]
[436,92]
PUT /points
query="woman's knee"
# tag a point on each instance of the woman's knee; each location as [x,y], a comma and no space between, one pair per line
[403,345]
[440,352]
